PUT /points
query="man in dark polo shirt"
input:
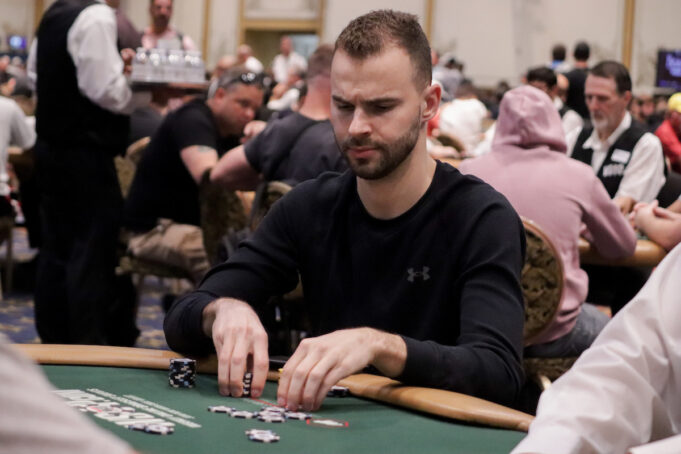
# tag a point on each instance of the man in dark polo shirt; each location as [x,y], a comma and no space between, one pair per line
[292,149]
[406,265]
[162,208]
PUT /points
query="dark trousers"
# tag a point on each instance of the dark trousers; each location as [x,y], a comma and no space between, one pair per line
[76,296]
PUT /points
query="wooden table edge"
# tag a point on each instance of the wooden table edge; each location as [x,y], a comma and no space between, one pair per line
[437,402]
[647,254]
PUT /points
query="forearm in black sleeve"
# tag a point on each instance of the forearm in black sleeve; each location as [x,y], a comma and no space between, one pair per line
[262,266]
[183,325]
[486,361]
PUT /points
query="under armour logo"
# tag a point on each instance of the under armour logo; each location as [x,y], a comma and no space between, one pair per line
[420,274]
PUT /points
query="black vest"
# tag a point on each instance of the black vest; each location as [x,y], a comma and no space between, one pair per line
[611,171]
[64,116]
[563,110]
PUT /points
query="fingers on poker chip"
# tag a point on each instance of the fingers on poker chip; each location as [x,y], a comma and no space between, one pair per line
[338,391]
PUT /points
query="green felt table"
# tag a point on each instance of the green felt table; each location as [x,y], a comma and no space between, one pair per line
[382,415]
[364,426]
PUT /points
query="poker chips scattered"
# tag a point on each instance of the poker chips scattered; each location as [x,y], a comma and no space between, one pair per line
[262,436]
[157,429]
[182,373]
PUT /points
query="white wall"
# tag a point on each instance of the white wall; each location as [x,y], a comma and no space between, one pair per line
[339,12]
[224,30]
[478,33]
[500,39]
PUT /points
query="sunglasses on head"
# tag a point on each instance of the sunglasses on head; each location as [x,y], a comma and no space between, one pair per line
[248,78]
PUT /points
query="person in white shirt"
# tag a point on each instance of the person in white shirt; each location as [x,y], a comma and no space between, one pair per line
[462,118]
[14,130]
[624,391]
[244,56]
[83,98]
[628,159]
[34,419]
[288,57]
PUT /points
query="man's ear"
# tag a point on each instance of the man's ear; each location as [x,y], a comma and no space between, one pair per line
[627,96]
[431,101]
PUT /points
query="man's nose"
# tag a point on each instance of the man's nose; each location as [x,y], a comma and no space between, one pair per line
[360,124]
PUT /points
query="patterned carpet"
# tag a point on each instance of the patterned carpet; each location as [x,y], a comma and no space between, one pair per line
[16,308]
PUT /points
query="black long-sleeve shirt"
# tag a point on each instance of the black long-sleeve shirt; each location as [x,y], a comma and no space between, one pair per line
[444,275]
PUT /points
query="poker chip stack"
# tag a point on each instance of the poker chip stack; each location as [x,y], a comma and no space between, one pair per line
[272,414]
[248,379]
[182,373]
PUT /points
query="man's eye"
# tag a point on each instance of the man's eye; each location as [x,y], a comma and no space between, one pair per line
[381,108]
[344,107]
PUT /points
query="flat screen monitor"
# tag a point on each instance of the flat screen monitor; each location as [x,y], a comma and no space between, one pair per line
[16,42]
[669,69]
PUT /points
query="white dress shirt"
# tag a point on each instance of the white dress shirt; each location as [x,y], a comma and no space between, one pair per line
[462,118]
[644,176]
[14,130]
[91,43]
[625,390]
[281,65]
[35,420]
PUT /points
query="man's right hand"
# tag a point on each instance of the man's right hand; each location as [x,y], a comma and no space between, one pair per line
[240,340]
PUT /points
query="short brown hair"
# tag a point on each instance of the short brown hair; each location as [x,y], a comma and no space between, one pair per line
[369,34]
[611,69]
[319,62]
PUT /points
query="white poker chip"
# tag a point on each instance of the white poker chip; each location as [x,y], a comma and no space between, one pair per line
[158,429]
[264,438]
[243,414]
[259,431]
[220,409]
[297,415]
[271,409]
[269,417]
[137,426]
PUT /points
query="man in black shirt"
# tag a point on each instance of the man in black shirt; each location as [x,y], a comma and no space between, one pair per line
[292,149]
[163,206]
[406,265]
[577,78]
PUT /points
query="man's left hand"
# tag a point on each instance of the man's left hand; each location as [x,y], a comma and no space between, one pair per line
[320,362]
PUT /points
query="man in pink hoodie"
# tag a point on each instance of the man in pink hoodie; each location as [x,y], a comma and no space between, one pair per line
[529,166]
